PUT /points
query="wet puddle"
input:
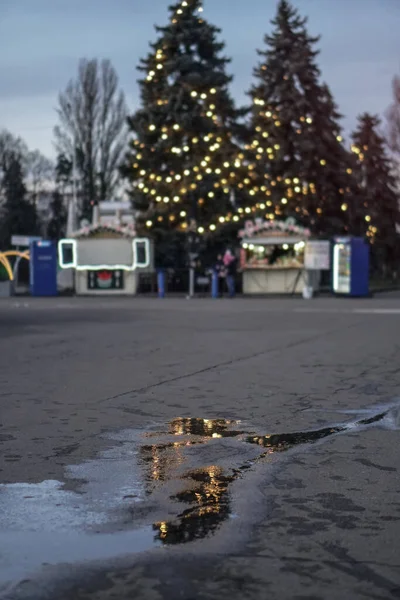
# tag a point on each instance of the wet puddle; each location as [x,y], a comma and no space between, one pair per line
[165,486]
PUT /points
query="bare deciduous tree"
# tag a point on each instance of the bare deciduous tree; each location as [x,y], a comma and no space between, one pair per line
[92,113]
[393,117]
[393,131]
[40,174]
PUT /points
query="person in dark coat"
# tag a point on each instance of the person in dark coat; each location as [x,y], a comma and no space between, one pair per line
[219,268]
[230,263]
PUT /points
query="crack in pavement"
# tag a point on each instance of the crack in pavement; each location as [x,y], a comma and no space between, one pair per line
[226,363]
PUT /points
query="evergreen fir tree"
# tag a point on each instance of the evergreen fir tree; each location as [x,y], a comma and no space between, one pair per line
[300,167]
[19,215]
[380,202]
[183,154]
[57,224]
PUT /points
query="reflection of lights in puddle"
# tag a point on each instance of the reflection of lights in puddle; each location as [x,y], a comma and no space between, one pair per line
[209,501]
[45,523]
[204,427]
[210,507]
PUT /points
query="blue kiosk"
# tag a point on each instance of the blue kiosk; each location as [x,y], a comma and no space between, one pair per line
[350,267]
[43,268]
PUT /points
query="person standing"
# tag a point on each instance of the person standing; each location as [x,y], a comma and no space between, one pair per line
[219,268]
[230,263]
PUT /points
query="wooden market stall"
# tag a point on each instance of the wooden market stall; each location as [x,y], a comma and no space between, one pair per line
[272,257]
[107,257]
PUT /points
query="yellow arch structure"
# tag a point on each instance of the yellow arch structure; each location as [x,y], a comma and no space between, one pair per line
[6,263]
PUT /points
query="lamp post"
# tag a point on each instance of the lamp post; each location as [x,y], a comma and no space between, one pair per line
[192,255]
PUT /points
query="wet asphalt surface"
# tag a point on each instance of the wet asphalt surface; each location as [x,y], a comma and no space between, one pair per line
[199,449]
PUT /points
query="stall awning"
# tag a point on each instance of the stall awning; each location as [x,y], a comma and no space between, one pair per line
[272,240]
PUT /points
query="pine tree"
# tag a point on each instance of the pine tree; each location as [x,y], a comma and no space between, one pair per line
[183,154]
[380,202]
[19,215]
[300,167]
[57,224]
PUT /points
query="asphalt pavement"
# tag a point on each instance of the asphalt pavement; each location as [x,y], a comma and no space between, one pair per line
[199,449]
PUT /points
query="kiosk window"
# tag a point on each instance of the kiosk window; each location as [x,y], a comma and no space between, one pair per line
[141,254]
[141,249]
[67,251]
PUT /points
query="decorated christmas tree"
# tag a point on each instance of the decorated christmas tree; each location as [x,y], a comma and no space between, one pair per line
[380,202]
[183,157]
[299,166]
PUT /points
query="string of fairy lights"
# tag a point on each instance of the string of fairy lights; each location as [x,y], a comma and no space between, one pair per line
[237,172]
[372,229]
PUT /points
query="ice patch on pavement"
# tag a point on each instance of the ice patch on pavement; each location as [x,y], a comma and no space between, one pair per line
[45,524]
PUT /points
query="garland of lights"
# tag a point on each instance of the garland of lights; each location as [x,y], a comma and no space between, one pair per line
[372,230]
[148,181]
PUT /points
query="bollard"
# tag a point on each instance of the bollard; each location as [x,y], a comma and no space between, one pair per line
[214,284]
[161,284]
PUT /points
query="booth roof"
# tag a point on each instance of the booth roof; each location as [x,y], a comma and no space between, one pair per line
[272,240]
[123,231]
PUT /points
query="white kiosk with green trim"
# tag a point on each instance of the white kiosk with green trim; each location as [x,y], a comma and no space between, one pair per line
[106,259]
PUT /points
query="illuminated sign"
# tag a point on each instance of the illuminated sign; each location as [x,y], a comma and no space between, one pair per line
[68,257]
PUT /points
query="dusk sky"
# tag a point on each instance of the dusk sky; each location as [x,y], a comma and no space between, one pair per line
[42,41]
